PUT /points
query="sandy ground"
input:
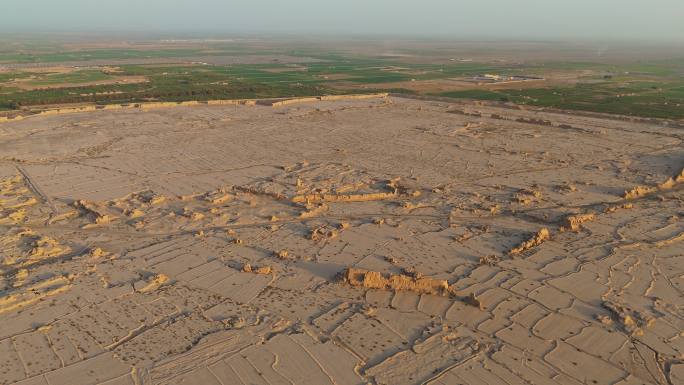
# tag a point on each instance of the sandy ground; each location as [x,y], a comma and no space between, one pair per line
[384,241]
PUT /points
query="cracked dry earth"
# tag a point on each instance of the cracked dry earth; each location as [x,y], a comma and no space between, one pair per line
[387,241]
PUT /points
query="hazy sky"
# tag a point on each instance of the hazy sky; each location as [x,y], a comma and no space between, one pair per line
[540,19]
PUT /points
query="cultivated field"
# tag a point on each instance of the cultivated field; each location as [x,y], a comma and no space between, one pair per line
[628,80]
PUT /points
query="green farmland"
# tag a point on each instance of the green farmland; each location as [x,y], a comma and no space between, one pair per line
[649,89]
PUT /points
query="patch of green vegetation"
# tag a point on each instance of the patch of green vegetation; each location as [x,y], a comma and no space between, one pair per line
[648,88]
[9,76]
[476,94]
[169,83]
[70,77]
[656,100]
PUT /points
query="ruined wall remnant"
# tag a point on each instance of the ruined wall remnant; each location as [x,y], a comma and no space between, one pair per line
[285,102]
[539,238]
[311,198]
[630,320]
[189,103]
[375,280]
[640,191]
[574,222]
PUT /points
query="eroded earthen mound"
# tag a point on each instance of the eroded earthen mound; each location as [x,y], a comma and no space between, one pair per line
[539,238]
[375,280]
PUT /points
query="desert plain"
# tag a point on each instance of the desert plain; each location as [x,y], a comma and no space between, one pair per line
[388,240]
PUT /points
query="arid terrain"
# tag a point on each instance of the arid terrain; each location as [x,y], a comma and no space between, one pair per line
[379,241]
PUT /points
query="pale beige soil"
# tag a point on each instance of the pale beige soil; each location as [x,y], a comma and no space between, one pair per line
[382,241]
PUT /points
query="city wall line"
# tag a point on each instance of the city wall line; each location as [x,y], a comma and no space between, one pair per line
[145,106]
